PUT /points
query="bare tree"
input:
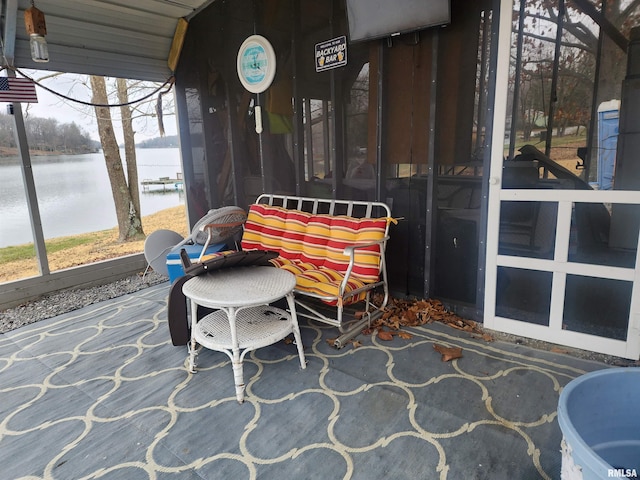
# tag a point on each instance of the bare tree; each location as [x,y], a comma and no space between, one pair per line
[582,35]
[125,194]
[129,142]
[124,184]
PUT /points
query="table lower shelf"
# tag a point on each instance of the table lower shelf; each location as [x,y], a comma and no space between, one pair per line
[256,327]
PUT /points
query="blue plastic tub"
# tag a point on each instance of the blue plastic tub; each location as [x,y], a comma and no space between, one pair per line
[599,415]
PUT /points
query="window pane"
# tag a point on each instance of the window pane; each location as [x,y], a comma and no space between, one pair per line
[594,241]
[524,295]
[318,148]
[17,254]
[72,186]
[360,176]
[597,306]
[528,229]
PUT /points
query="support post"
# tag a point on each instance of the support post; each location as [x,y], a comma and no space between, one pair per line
[30,187]
[432,173]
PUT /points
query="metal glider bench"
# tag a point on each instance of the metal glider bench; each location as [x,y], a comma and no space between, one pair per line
[335,248]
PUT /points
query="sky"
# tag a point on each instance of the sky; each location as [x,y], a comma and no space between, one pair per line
[66,111]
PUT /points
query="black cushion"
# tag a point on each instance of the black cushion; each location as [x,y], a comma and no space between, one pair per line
[227,259]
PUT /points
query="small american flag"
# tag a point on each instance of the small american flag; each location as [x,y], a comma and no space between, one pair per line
[13,89]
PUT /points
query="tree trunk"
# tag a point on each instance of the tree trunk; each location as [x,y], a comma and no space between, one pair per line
[129,224]
[612,72]
[129,147]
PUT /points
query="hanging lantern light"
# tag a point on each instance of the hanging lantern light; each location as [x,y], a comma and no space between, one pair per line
[37,29]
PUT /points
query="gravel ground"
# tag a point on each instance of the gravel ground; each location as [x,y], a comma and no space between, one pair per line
[69,300]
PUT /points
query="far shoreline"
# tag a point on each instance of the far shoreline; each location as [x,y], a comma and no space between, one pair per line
[12,152]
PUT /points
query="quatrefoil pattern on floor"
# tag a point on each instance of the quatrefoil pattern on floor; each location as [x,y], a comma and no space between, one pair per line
[102,393]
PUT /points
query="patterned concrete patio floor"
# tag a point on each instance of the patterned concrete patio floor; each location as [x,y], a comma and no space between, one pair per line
[102,393]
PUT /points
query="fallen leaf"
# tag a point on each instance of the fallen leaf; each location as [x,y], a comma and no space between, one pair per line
[356,343]
[559,350]
[404,335]
[411,317]
[386,336]
[487,338]
[448,353]
[288,341]
[332,341]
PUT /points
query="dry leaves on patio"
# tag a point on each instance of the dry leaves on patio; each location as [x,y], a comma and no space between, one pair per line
[411,313]
[401,313]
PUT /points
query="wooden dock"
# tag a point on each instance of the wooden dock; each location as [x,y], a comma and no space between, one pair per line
[177,182]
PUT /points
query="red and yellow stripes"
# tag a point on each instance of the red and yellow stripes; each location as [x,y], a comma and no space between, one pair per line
[277,229]
[319,240]
[326,283]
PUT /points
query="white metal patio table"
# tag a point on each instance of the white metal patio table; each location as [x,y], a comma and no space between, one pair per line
[243,320]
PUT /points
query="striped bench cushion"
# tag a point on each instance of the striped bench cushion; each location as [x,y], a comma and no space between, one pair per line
[320,281]
[316,239]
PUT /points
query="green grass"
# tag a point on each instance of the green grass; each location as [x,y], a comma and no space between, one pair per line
[561,147]
[28,251]
[557,141]
[69,242]
[21,252]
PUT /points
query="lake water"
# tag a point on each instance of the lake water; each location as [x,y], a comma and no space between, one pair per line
[74,193]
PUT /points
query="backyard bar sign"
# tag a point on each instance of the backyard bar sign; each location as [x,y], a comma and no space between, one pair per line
[331,54]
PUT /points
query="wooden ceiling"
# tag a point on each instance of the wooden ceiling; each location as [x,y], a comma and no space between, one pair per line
[119,38]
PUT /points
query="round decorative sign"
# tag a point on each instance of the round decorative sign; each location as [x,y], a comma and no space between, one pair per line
[256,64]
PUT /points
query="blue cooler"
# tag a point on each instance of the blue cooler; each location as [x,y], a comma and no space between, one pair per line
[174,264]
